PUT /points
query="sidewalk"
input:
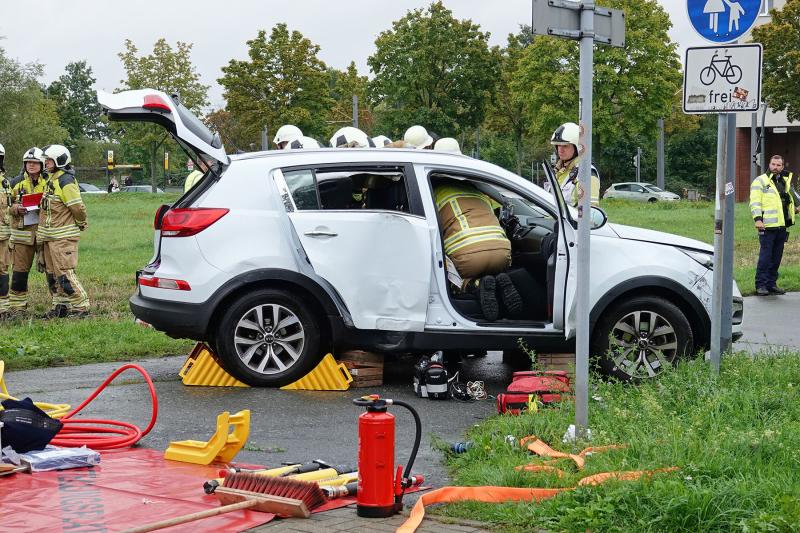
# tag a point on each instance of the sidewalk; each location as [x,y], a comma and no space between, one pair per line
[771,323]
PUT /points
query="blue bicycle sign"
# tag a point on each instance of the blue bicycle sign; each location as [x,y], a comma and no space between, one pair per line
[722,21]
[721,67]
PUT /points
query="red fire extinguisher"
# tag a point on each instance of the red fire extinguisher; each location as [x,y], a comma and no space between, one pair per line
[380,488]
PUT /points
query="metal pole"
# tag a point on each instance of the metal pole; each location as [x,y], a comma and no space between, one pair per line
[583,252]
[478,143]
[153,168]
[764,162]
[638,164]
[753,145]
[660,164]
[716,298]
[726,322]
[355,110]
[265,139]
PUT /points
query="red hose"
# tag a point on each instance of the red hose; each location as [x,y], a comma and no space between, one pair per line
[77,433]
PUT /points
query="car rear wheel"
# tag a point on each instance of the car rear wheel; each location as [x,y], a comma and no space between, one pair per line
[268,338]
[652,200]
[641,338]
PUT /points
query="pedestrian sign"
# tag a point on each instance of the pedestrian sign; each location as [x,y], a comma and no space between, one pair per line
[722,21]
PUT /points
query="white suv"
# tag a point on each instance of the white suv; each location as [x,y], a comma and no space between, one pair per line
[276,258]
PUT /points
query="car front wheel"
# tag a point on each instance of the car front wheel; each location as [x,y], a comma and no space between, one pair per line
[268,338]
[639,339]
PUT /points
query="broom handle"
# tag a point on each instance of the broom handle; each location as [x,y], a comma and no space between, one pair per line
[192,517]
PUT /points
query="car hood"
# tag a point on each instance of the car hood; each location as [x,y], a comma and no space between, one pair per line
[659,237]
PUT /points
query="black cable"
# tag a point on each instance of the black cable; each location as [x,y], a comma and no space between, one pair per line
[417,437]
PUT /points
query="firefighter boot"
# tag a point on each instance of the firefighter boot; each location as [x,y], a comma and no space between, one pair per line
[485,290]
[18,296]
[509,296]
[77,301]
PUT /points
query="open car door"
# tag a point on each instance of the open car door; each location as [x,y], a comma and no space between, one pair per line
[150,105]
[564,284]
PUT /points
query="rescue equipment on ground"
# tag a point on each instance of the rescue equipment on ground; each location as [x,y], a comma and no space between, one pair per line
[529,389]
[431,378]
[26,427]
[327,375]
[202,369]
[230,436]
[380,490]
[317,470]
[55,458]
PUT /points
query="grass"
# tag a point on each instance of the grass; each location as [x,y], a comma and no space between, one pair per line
[735,439]
[696,220]
[119,240]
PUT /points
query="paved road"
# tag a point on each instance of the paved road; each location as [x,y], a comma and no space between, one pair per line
[771,323]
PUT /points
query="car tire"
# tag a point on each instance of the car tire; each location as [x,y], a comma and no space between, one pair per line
[664,336]
[652,200]
[268,338]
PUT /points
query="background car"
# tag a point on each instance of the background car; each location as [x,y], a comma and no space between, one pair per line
[140,188]
[88,188]
[639,192]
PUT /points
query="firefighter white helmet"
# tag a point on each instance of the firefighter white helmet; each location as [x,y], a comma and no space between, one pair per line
[34,154]
[2,150]
[350,137]
[418,137]
[567,133]
[447,144]
[59,154]
[302,143]
[287,133]
[381,140]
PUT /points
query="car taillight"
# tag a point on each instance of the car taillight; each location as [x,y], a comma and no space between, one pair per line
[154,102]
[160,215]
[184,222]
[164,283]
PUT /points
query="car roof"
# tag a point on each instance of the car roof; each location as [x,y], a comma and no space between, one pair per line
[634,183]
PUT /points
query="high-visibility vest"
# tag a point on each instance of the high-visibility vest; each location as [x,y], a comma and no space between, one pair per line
[765,201]
[193,177]
[568,181]
[468,221]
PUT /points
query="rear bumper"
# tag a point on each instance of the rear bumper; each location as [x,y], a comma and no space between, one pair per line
[180,320]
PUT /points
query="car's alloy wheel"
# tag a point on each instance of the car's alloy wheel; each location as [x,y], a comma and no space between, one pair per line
[269,338]
[639,339]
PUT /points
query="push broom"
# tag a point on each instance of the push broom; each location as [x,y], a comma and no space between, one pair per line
[243,490]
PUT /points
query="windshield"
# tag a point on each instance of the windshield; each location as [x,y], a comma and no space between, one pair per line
[196,126]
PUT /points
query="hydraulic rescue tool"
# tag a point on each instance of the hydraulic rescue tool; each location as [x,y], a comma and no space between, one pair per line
[380,489]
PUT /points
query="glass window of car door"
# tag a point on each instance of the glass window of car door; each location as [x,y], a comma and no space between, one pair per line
[348,189]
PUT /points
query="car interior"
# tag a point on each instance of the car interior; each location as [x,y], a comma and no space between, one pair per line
[349,189]
[532,232]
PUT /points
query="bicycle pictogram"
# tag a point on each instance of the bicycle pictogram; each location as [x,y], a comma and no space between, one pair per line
[720,67]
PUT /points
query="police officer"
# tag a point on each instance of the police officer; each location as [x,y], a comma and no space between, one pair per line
[773,208]
[23,232]
[566,140]
[5,234]
[62,218]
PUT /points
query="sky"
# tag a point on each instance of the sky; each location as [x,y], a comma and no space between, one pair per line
[95,30]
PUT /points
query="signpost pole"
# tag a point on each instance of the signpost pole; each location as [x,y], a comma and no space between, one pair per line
[660,164]
[584,220]
[726,334]
[716,297]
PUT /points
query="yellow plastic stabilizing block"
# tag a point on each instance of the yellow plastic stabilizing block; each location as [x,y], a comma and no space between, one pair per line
[221,447]
[201,369]
[55,410]
[327,375]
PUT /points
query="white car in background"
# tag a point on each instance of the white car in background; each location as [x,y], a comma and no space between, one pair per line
[639,192]
[276,258]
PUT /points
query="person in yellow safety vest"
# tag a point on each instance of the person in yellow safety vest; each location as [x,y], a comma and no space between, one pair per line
[477,246]
[566,139]
[62,219]
[23,227]
[5,234]
[772,205]
[195,175]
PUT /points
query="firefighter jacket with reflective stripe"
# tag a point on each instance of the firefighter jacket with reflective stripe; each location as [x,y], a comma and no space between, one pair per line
[567,175]
[193,177]
[21,185]
[5,214]
[468,222]
[62,211]
[765,201]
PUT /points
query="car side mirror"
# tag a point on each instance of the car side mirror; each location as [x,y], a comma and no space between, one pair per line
[598,217]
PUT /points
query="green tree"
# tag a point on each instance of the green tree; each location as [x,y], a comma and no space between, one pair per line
[343,85]
[165,69]
[282,82]
[634,86]
[27,117]
[781,40]
[76,103]
[434,70]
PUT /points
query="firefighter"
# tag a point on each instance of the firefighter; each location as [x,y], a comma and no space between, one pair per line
[566,140]
[23,229]
[5,234]
[62,218]
[195,175]
[302,143]
[477,246]
[418,137]
[447,144]
[350,137]
[286,134]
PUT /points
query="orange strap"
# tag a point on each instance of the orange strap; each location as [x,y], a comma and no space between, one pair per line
[536,445]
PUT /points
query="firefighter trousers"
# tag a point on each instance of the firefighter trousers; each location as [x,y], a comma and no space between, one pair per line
[21,263]
[5,262]
[61,260]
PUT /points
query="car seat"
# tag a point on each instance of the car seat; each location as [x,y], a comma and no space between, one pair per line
[336,193]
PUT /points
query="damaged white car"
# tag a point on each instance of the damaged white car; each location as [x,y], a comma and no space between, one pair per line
[277,257]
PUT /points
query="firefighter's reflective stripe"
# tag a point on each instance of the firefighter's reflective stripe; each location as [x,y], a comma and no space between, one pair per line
[21,236]
[464,242]
[62,232]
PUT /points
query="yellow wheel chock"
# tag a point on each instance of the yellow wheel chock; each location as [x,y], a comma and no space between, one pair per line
[55,410]
[223,445]
[202,369]
[327,375]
